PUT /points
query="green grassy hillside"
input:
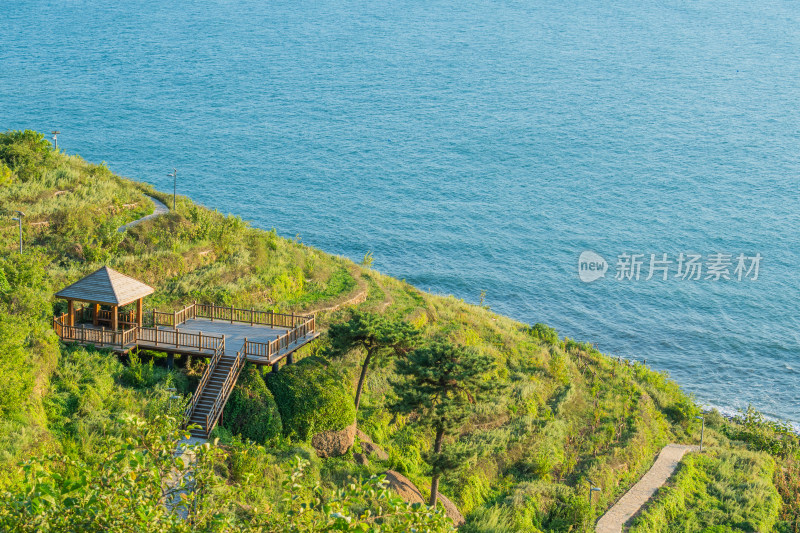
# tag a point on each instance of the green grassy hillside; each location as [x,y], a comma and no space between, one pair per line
[564,412]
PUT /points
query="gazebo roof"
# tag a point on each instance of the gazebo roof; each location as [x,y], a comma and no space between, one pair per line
[106,286]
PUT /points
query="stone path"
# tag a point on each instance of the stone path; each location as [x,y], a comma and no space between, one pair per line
[174,481]
[633,500]
[160,209]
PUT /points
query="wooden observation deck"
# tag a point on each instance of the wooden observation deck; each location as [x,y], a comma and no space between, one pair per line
[228,336]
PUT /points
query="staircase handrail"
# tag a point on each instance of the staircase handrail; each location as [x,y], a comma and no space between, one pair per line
[204,380]
[224,393]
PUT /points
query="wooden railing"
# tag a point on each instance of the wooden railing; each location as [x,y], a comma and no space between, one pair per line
[172,338]
[224,393]
[218,353]
[99,337]
[272,350]
[126,318]
[247,316]
[173,319]
[227,314]
[167,338]
[182,315]
[300,326]
[86,314]
[59,322]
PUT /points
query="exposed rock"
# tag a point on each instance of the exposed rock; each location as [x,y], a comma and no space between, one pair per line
[361,459]
[375,451]
[410,493]
[370,448]
[403,487]
[334,443]
[452,511]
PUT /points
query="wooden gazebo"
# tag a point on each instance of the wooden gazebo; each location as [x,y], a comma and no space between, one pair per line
[108,287]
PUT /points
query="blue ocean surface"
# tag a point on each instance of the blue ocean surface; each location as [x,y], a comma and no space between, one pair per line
[471,146]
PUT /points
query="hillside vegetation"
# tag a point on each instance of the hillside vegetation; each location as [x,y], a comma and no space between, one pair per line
[86,438]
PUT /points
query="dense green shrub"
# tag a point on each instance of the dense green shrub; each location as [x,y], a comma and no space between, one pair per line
[138,374]
[544,333]
[312,396]
[251,410]
[25,152]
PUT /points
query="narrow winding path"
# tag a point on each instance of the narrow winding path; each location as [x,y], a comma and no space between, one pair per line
[359,295]
[160,209]
[173,482]
[633,500]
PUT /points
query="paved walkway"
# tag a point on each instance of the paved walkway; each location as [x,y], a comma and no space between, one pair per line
[639,494]
[160,209]
[175,478]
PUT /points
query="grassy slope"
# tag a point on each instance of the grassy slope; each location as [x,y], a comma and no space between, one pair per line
[568,413]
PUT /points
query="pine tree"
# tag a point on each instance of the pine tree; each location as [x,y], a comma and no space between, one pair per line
[377,336]
[442,384]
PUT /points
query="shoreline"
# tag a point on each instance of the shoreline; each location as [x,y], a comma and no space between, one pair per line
[729,413]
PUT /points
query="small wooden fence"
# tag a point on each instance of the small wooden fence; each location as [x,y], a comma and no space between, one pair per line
[143,336]
[272,350]
[227,314]
[98,337]
[86,314]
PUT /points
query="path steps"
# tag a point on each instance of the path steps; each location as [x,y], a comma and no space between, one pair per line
[160,209]
[209,395]
[633,500]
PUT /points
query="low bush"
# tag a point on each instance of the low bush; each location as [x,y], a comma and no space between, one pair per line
[138,374]
[251,411]
[312,396]
[544,333]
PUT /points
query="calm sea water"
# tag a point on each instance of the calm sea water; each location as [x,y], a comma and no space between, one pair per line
[471,146]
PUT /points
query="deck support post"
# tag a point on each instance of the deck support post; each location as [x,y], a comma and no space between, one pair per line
[290,359]
[139,313]
[275,366]
[170,360]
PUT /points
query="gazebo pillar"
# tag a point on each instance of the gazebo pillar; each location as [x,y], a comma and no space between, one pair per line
[70,312]
[114,317]
[139,312]
[95,314]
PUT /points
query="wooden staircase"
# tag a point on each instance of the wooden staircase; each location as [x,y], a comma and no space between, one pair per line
[213,391]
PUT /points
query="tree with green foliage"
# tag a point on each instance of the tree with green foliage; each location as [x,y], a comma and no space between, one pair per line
[376,335]
[442,384]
